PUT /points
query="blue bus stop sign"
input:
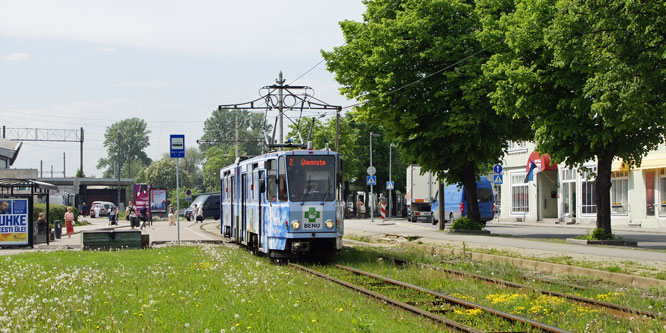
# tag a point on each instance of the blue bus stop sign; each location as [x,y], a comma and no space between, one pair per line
[177,146]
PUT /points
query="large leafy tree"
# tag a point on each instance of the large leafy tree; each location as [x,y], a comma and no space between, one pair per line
[159,174]
[220,128]
[408,63]
[125,142]
[590,74]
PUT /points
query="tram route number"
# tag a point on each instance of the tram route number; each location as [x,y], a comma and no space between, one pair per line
[311,225]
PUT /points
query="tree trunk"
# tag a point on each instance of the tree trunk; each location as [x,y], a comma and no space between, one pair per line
[469,181]
[602,190]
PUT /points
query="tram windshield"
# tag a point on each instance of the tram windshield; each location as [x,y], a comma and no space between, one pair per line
[311,178]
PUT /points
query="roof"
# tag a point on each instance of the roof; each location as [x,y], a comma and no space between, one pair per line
[19,183]
[89,181]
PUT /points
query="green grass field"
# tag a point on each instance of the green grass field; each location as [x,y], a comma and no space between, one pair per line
[198,289]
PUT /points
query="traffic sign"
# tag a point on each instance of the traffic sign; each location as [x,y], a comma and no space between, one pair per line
[177,146]
[371,170]
[371,180]
[498,179]
[497,168]
[389,185]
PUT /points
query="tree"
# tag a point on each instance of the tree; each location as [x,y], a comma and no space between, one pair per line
[445,122]
[216,159]
[589,74]
[220,127]
[160,174]
[125,142]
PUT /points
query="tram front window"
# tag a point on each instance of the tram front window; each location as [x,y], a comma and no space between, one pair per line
[311,178]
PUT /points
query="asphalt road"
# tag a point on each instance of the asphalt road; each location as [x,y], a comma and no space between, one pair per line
[526,239]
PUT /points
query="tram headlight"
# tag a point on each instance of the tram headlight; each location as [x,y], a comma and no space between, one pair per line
[295,224]
[330,224]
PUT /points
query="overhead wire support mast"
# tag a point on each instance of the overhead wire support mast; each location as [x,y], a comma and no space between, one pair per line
[285,98]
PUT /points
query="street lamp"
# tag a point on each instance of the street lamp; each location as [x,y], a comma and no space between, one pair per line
[389,191]
[372,213]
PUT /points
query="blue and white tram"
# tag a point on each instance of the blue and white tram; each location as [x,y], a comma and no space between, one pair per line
[285,203]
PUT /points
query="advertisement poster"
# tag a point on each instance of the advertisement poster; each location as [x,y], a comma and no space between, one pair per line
[159,197]
[141,196]
[14,221]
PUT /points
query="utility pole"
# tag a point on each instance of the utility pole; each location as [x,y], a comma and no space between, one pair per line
[117,168]
[281,81]
[51,170]
[337,128]
[63,165]
[41,169]
[371,199]
[440,199]
[81,167]
[236,129]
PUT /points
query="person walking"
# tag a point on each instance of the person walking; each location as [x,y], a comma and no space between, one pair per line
[144,217]
[172,216]
[200,215]
[195,213]
[130,212]
[69,221]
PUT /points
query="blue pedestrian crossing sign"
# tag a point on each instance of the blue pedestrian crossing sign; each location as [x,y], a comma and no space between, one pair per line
[498,179]
[497,168]
[389,185]
[371,180]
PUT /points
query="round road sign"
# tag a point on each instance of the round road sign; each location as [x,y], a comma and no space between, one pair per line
[371,171]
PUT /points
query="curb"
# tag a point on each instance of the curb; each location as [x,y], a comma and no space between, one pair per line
[614,242]
[469,232]
[625,279]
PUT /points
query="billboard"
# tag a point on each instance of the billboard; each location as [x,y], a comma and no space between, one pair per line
[141,196]
[158,201]
[14,221]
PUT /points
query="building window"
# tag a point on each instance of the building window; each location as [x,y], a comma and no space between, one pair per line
[520,200]
[588,188]
[517,147]
[3,163]
[619,192]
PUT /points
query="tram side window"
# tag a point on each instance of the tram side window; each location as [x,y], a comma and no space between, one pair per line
[271,188]
[282,180]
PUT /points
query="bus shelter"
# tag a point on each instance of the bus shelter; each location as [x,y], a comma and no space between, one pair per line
[16,211]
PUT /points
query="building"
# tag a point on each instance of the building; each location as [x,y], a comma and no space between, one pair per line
[558,193]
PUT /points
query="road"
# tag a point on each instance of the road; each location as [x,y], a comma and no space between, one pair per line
[524,239]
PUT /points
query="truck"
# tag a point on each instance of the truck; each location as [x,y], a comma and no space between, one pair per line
[421,188]
[455,202]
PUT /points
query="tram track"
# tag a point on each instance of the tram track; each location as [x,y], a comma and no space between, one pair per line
[434,299]
[616,309]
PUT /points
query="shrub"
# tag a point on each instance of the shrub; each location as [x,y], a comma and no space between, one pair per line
[464,223]
[599,234]
[56,212]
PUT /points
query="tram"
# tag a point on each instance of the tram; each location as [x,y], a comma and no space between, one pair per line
[285,204]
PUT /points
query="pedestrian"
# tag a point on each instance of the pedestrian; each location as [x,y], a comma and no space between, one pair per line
[69,221]
[130,214]
[84,209]
[360,208]
[144,217]
[172,217]
[200,215]
[195,212]
[113,217]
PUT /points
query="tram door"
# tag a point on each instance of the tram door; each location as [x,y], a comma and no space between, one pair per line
[243,205]
[259,208]
[234,209]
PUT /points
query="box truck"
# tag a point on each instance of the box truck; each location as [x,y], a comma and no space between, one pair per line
[421,190]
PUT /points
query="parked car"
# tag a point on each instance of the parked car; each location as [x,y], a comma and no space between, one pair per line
[104,208]
[455,203]
[211,206]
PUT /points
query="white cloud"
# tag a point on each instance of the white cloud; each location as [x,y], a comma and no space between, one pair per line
[207,27]
[18,56]
[147,84]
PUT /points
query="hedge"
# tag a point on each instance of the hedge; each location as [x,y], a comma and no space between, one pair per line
[56,212]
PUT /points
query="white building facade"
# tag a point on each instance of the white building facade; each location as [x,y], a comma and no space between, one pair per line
[558,193]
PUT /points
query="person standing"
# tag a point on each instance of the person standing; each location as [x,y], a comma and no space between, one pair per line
[195,213]
[84,209]
[172,217]
[131,213]
[69,221]
[200,215]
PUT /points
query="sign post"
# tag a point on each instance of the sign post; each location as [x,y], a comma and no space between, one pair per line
[177,149]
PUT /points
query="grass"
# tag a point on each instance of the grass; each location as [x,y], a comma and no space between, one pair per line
[184,289]
[551,310]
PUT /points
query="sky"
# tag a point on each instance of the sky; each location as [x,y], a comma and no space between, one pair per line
[69,64]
